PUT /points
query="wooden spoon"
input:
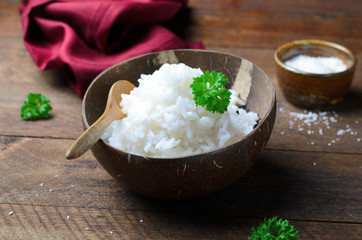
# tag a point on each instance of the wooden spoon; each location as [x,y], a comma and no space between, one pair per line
[112,112]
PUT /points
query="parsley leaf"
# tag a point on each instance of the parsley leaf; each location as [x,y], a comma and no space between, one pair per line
[209,91]
[280,227]
[37,106]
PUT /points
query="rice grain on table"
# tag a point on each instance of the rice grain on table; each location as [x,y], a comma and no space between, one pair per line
[163,120]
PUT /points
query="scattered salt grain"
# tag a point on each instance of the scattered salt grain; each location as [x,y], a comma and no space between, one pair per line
[340,132]
[282,133]
[41,184]
[306,120]
[319,65]
[332,119]
[314,163]
[68,217]
[110,232]
[141,221]
[51,190]
[11,213]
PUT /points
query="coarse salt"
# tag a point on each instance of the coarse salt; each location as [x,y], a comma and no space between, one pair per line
[341,132]
[323,121]
[319,65]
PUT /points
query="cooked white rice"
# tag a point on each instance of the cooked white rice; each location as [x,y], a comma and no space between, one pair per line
[163,120]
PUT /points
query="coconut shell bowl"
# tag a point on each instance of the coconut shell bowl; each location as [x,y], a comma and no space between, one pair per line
[188,176]
[313,90]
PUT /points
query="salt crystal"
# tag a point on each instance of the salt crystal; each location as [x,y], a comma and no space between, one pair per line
[329,144]
[358,139]
[341,132]
[332,119]
[68,217]
[51,190]
[319,65]
[281,133]
[110,232]
[320,131]
[11,213]
[41,184]
[314,163]
[141,221]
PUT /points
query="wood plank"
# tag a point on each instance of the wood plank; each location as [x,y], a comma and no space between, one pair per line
[302,7]
[214,38]
[10,20]
[44,222]
[295,185]
[18,81]
[269,24]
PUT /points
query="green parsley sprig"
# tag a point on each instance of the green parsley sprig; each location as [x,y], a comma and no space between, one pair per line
[209,91]
[37,106]
[272,226]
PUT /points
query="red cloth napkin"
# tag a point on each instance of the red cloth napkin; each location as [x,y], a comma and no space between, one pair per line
[84,37]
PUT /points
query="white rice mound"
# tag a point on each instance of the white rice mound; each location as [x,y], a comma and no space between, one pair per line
[163,120]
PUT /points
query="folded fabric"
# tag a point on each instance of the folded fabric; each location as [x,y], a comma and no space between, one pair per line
[84,37]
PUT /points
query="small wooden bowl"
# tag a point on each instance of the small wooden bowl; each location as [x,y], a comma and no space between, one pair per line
[189,176]
[311,90]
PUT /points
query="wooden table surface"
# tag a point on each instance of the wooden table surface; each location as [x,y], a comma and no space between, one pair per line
[311,175]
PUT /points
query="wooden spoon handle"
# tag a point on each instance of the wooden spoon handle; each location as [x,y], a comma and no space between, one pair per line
[92,134]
